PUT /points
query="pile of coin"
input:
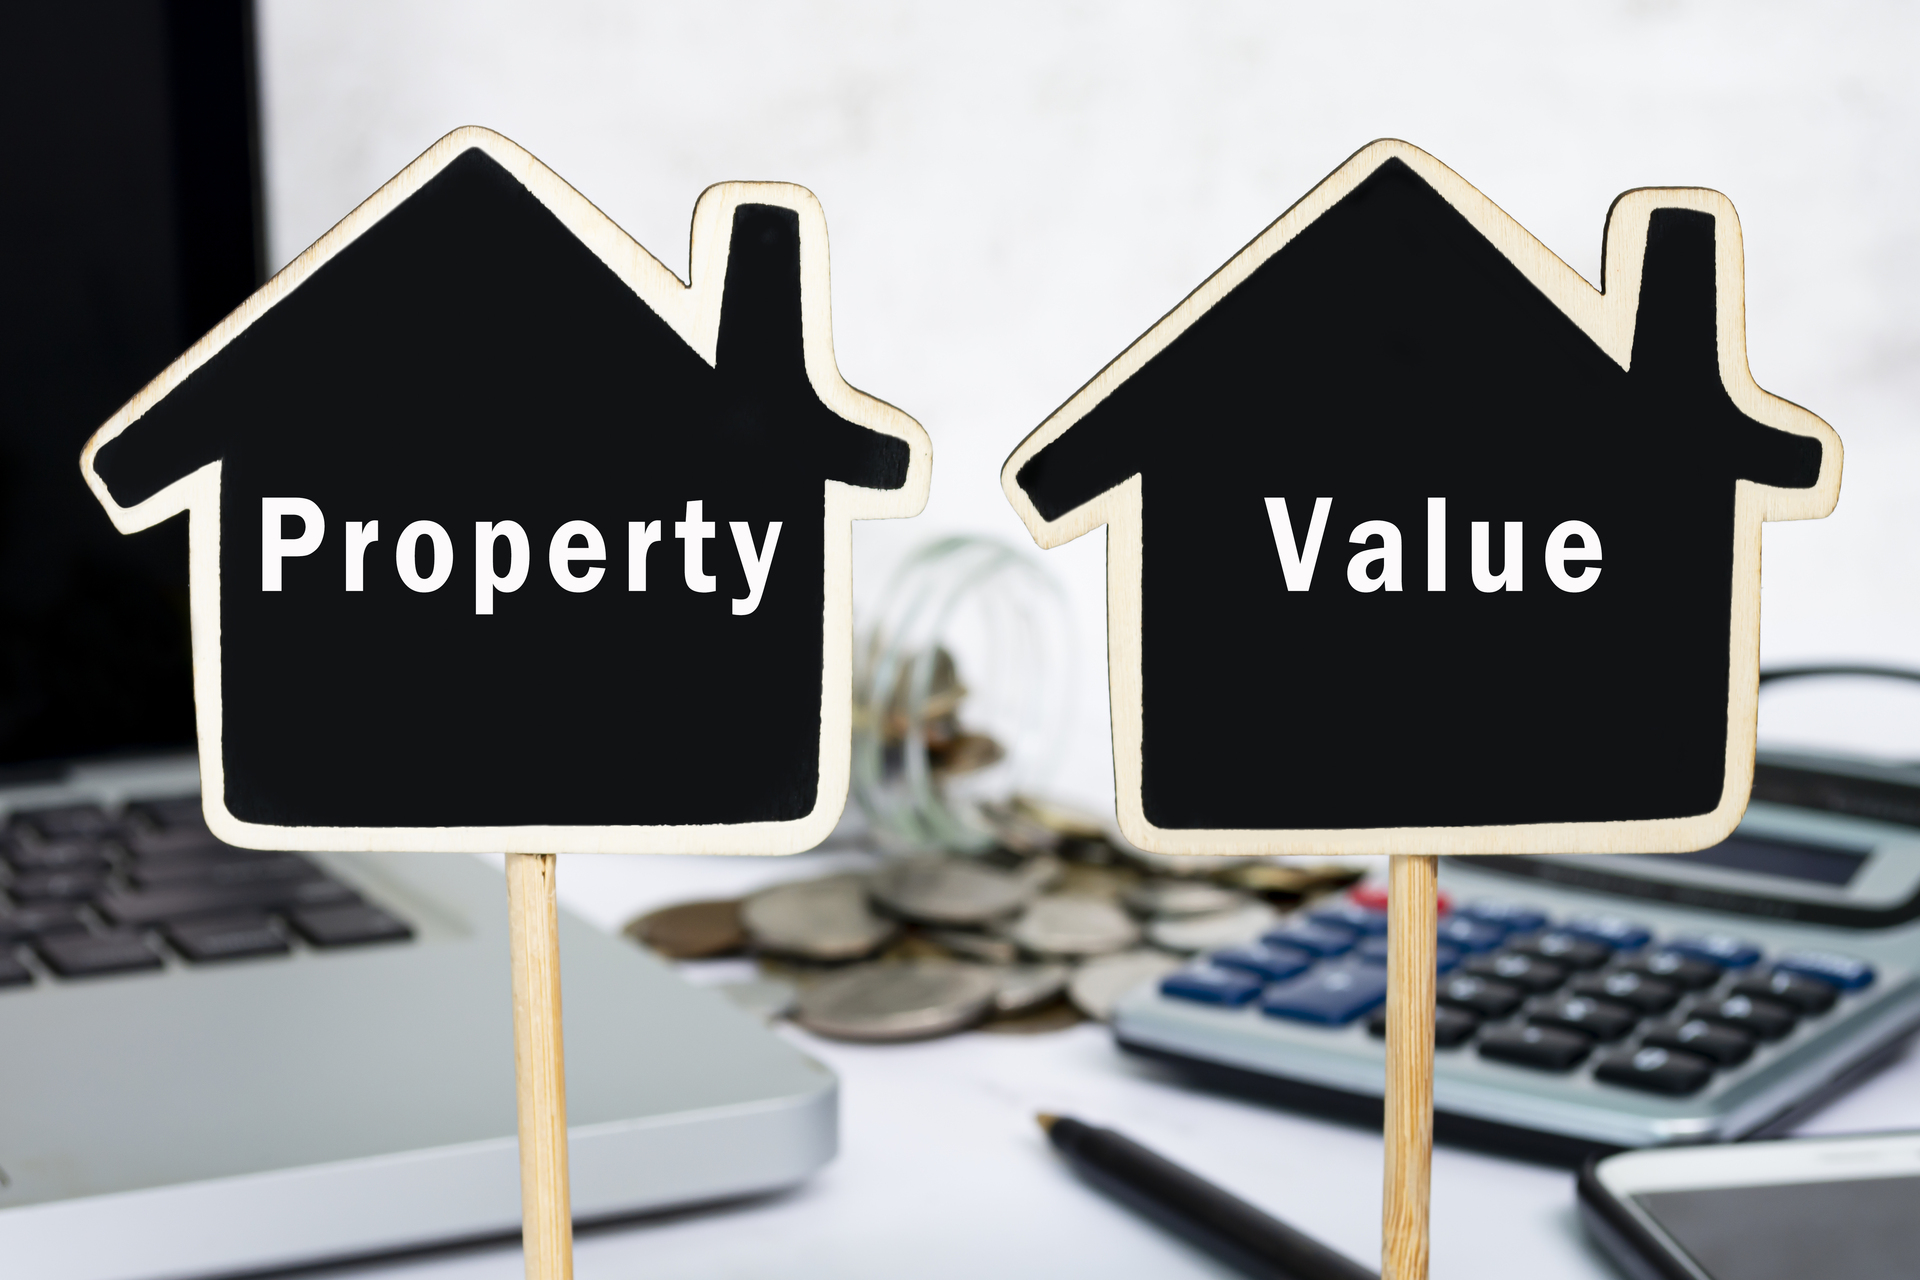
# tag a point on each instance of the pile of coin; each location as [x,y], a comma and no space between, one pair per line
[1051,927]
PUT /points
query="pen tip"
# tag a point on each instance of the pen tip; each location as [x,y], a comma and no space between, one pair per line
[1046,1120]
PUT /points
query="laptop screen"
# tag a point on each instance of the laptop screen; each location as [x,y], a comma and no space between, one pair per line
[132,224]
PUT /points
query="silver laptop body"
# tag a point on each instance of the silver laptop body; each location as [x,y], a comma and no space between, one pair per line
[243,1114]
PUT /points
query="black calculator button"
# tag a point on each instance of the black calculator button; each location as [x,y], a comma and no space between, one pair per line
[12,972]
[1681,971]
[1804,995]
[1597,1018]
[1565,950]
[1451,1026]
[1529,973]
[1635,990]
[1482,996]
[1542,1047]
[82,955]
[1709,1040]
[1655,1069]
[1762,1018]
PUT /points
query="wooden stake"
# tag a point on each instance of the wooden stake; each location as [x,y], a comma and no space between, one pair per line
[533,936]
[1412,926]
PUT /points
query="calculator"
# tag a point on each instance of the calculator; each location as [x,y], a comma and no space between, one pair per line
[1590,1004]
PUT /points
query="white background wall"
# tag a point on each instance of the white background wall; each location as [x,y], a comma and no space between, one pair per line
[1017,190]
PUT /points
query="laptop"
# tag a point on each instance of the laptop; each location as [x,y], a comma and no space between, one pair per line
[222,1061]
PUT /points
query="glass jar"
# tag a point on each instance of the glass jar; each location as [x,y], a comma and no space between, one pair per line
[961,701]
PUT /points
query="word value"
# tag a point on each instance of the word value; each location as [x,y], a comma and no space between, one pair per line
[575,543]
[1378,568]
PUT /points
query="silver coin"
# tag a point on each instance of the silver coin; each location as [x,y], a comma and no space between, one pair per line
[826,919]
[1025,987]
[764,998]
[1228,928]
[1059,925]
[950,891]
[1171,899]
[985,947]
[1098,984]
[885,1002]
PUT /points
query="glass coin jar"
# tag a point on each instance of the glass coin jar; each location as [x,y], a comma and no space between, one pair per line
[960,696]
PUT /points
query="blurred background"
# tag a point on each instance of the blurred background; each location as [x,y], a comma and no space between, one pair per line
[1017,190]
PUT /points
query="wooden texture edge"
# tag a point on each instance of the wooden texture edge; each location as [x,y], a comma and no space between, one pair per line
[1412,938]
[539,1065]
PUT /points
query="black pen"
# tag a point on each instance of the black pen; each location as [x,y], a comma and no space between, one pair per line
[1224,1225]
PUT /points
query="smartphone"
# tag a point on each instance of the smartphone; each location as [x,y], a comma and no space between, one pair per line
[1832,1208]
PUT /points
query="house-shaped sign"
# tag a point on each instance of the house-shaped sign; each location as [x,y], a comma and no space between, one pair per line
[1417,543]
[502,537]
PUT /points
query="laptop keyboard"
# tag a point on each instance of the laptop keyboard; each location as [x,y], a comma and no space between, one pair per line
[1662,1014]
[87,894]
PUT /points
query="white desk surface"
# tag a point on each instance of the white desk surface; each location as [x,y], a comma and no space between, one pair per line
[942,1171]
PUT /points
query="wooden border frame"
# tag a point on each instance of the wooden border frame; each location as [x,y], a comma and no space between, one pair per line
[692,310]
[1608,318]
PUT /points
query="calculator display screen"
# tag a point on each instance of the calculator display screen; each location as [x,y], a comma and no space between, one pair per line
[1863,1229]
[1791,859]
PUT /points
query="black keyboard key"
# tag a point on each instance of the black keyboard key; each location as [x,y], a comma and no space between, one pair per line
[24,923]
[1715,1043]
[80,821]
[1622,986]
[349,926]
[1656,1070]
[85,955]
[1681,971]
[1529,973]
[184,811]
[57,886]
[57,855]
[161,906]
[1542,1047]
[1451,1026]
[1808,996]
[1483,996]
[12,972]
[173,842]
[1564,949]
[226,938]
[1596,1018]
[1761,1018]
[256,869]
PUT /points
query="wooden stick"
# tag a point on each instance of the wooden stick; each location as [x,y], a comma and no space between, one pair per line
[1412,926]
[533,936]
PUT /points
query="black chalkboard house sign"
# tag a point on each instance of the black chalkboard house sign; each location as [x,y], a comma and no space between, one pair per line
[1417,543]
[502,537]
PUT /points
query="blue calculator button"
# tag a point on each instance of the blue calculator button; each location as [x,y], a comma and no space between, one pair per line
[1374,951]
[1351,915]
[1617,932]
[1514,917]
[1471,935]
[1332,996]
[1829,966]
[1263,961]
[1722,949]
[1210,985]
[1316,939]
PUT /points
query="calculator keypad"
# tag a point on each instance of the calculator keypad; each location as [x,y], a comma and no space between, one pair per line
[1598,992]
